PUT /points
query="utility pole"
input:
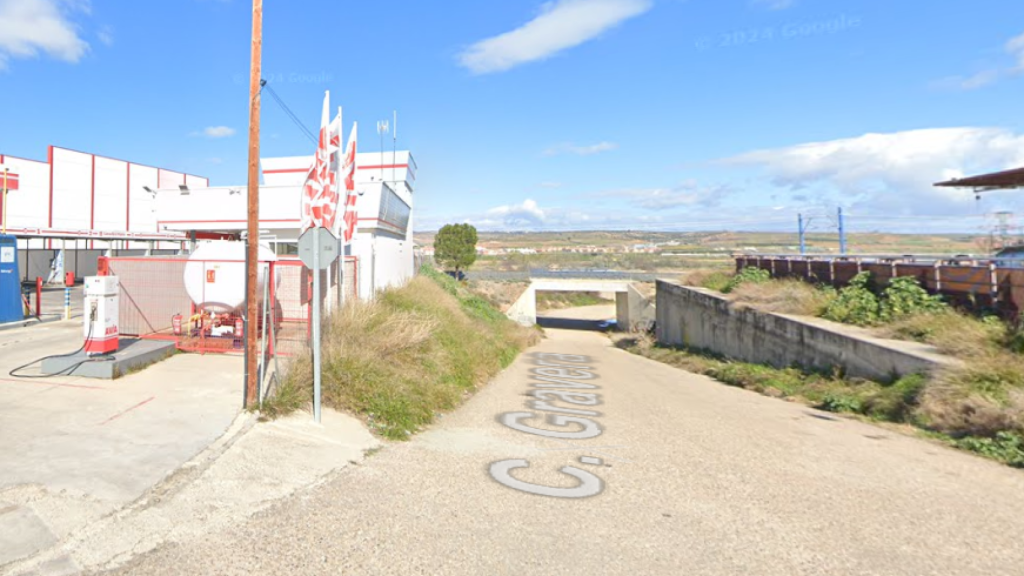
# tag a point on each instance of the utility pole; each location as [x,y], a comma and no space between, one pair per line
[253,205]
[801,230]
[842,233]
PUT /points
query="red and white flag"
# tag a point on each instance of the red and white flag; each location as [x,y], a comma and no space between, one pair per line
[320,192]
[349,174]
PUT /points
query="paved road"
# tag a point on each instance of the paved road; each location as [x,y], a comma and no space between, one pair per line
[697,477]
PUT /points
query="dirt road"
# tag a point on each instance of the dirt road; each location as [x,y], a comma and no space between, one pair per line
[675,474]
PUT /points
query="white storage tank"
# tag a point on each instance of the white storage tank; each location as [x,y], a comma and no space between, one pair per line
[215,275]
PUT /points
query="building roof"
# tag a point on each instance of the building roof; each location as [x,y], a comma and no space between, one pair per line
[995,180]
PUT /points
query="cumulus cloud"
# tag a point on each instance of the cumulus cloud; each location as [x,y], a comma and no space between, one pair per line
[525,214]
[890,173]
[587,150]
[31,27]
[562,24]
[688,194]
[218,131]
[1014,48]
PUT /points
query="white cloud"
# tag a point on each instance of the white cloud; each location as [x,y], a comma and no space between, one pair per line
[1013,47]
[106,35]
[31,27]
[775,4]
[687,194]
[588,150]
[891,174]
[527,213]
[562,24]
[218,131]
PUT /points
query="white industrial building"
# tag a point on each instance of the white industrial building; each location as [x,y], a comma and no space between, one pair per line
[89,205]
[382,246]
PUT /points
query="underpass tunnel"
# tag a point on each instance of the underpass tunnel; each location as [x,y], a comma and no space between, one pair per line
[577,309]
[581,304]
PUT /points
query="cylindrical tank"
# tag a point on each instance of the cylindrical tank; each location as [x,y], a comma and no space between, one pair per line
[215,275]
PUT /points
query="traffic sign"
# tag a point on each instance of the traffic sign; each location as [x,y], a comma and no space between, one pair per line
[327,243]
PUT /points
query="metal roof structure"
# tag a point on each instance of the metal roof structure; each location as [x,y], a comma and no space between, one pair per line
[1004,180]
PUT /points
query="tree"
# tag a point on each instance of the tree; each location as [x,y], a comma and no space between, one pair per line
[455,246]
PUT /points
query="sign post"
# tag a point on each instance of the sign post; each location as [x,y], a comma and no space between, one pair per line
[317,249]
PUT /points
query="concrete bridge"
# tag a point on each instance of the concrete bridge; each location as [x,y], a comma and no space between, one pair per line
[632,309]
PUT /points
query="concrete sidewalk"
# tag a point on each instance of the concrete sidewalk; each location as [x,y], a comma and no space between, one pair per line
[76,449]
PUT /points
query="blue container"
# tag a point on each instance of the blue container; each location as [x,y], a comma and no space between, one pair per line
[11,309]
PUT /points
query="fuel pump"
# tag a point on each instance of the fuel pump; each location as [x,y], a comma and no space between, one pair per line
[100,315]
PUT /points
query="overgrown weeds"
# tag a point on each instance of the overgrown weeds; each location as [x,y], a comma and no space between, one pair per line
[788,296]
[403,358]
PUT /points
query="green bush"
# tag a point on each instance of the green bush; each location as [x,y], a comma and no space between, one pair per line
[858,304]
[747,275]
[855,303]
[904,296]
[717,281]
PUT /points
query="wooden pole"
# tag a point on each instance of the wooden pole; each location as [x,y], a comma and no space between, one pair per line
[253,237]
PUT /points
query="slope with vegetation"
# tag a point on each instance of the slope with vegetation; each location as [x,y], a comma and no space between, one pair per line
[401,359]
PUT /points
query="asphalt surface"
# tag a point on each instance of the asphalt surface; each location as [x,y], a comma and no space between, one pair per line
[696,478]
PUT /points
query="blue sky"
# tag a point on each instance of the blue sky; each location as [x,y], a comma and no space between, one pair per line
[567,114]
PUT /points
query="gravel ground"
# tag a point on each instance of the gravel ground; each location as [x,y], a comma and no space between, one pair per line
[698,478]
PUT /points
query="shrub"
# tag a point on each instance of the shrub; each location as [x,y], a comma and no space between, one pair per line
[855,303]
[904,296]
[747,275]
[858,304]
[714,281]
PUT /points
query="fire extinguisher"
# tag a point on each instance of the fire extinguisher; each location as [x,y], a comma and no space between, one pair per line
[239,327]
[176,324]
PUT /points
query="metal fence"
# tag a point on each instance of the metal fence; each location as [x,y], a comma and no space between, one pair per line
[153,290]
[973,285]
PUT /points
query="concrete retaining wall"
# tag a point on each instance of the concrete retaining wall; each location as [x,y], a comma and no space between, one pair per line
[705,319]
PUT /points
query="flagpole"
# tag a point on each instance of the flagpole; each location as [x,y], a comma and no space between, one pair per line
[253,236]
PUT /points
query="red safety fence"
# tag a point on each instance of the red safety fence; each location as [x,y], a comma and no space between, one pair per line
[153,293]
[976,286]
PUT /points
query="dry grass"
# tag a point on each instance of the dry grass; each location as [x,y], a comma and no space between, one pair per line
[706,276]
[952,333]
[501,295]
[403,358]
[788,296]
[983,398]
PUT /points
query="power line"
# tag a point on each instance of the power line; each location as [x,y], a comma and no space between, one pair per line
[294,118]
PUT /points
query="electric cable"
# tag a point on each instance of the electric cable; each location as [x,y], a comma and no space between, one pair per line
[288,111]
[65,372]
